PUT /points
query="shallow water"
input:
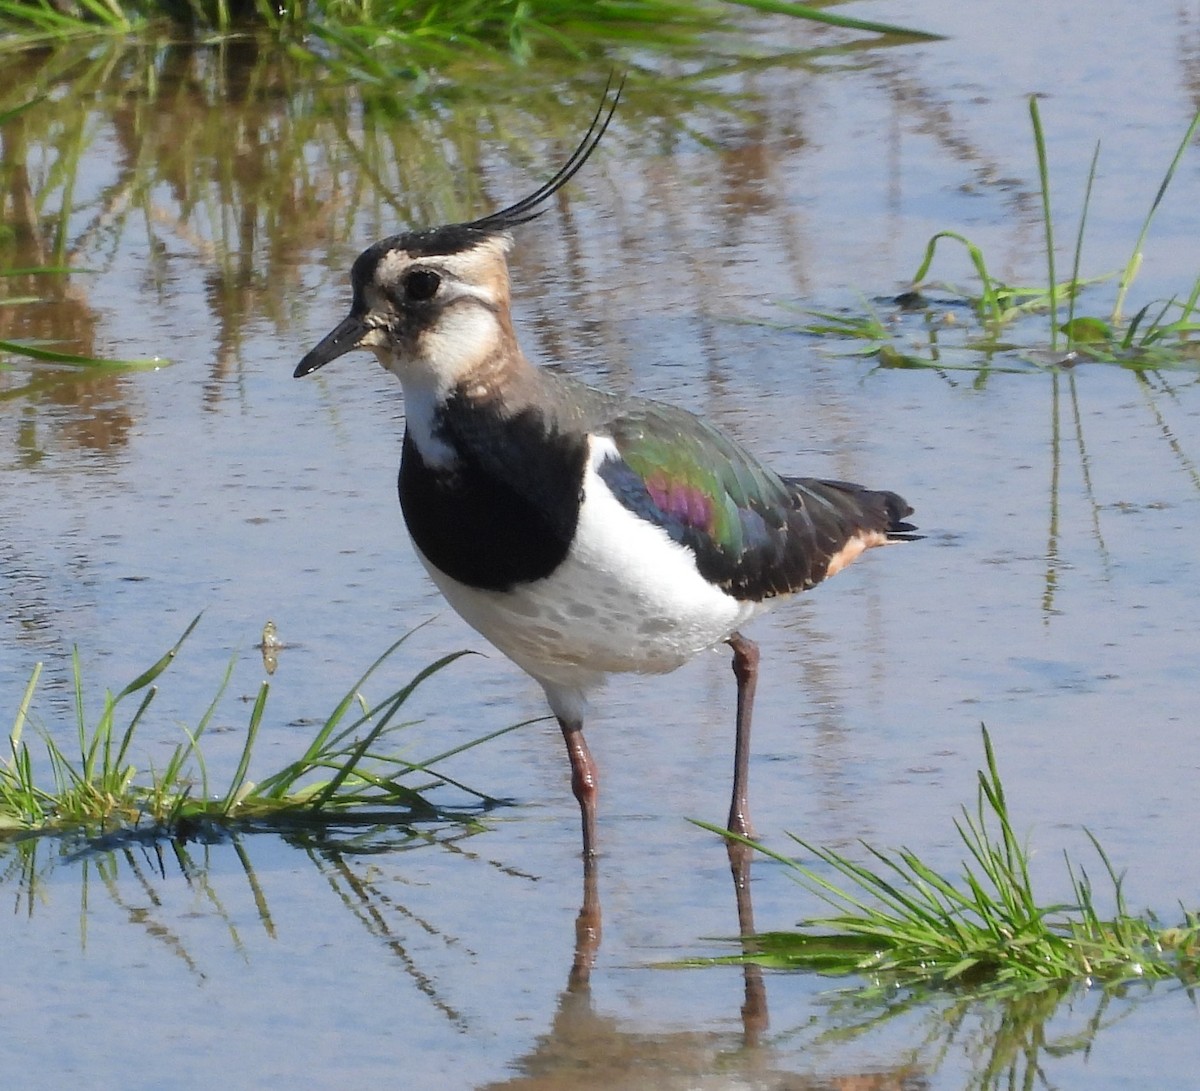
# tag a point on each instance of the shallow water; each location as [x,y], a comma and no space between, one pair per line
[1054,597]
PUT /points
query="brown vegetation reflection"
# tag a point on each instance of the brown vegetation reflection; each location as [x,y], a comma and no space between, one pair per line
[229,176]
[57,312]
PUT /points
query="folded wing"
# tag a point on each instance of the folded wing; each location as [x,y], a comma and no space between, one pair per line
[754,533]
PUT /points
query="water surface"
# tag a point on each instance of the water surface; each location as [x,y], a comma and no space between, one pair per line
[1054,597]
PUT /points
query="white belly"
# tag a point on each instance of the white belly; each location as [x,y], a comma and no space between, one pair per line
[626,598]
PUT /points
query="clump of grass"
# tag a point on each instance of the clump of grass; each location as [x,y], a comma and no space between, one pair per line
[1159,335]
[372,38]
[507,23]
[99,789]
[898,920]
[367,34]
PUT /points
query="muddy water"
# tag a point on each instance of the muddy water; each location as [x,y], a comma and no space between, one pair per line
[1054,597]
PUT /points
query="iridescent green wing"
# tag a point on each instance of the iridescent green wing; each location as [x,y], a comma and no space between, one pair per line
[754,534]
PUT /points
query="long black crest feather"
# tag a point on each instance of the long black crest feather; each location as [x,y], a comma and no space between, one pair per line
[527,208]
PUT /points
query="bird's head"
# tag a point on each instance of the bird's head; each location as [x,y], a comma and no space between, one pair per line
[433,304]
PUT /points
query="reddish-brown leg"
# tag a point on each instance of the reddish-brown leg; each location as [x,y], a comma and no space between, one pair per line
[745,669]
[584,781]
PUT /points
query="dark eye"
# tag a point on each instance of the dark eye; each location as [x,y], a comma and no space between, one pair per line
[421,284]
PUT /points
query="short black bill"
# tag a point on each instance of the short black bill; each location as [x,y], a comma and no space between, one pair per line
[343,339]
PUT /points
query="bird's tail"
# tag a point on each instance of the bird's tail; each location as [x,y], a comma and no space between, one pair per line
[855,506]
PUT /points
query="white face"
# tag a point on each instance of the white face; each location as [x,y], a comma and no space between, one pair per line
[434,320]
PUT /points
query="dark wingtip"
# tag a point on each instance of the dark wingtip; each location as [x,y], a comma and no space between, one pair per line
[898,509]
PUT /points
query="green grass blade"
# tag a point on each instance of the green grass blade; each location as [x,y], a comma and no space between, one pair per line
[1039,142]
[56,356]
[1156,331]
[135,719]
[429,763]
[209,712]
[14,735]
[988,298]
[816,15]
[7,115]
[1135,259]
[1189,307]
[344,769]
[146,677]
[322,740]
[391,708]
[239,777]
[1075,264]
[77,680]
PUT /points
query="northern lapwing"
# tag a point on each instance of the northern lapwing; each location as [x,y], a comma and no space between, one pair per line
[581,532]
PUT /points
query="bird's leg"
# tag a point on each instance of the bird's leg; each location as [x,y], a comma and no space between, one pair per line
[584,780]
[745,669]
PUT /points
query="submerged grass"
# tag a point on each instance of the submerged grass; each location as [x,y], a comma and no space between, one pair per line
[1159,335]
[902,923]
[98,789]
